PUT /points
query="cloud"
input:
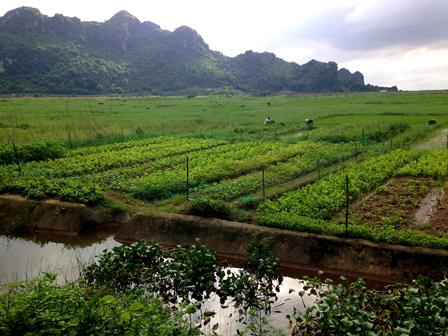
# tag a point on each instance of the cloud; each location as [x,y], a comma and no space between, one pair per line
[379,25]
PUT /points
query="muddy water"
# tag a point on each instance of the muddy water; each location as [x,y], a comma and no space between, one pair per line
[27,258]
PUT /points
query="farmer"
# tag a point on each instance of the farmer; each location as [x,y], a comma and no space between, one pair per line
[267,121]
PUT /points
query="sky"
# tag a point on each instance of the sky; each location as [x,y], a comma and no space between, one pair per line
[392,42]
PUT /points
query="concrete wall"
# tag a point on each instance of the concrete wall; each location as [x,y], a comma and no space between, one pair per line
[297,250]
[51,216]
[354,257]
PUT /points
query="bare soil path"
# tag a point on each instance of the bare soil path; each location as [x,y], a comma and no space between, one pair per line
[440,140]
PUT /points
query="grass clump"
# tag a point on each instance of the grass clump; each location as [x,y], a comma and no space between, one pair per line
[207,207]
[41,307]
[38,151]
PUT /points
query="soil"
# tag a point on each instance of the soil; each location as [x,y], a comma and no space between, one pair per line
[398,201]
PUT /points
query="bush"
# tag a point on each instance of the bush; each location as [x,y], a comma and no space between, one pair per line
[32,152]
[207,207]
[40,307]
[126,267]
[139,132]
[352,309]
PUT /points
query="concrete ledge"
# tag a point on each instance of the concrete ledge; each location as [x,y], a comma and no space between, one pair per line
[299,250]
[296,249]
[51,216]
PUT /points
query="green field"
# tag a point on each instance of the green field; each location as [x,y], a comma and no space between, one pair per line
[212,156]
[99,119]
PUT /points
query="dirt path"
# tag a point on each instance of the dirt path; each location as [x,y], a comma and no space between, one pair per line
[428,206]
[440,140]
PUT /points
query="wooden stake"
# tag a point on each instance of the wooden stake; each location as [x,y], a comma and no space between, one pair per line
[263,184]
[16,155]
[346,204]
[188,179]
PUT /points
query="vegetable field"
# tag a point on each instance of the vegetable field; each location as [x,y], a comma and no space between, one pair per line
[212,156]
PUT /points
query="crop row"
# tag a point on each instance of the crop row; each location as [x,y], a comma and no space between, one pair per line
[113,147]
[375,131]
[210,168]
[163,173]
[326,197]
[97,162]
[430,164]
[62,188]
[121,177]
[312,156]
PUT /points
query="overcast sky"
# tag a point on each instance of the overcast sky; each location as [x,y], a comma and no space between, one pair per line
[392,42]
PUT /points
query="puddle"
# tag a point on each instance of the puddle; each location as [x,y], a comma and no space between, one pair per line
[428,206]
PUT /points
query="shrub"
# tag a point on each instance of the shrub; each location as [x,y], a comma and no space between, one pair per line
[40,307]
[32,152]
[139,132]
[207,207]
[418,308]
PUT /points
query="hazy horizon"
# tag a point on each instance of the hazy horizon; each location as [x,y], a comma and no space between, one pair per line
[393,42]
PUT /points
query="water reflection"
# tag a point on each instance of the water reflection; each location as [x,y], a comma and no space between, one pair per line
[27,258]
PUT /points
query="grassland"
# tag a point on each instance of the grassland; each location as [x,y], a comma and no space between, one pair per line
[137,151]
[100,119]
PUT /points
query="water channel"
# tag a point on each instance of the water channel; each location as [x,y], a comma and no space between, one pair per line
[28,257]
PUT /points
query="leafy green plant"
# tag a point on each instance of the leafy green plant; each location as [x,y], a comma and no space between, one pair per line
[139,132]
[125,267]
[38,151]
[189,274]
[347,308]
[256,285]
[324,198]
[207,207]
[40,307]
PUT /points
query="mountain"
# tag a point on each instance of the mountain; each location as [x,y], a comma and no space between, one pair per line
[63,55]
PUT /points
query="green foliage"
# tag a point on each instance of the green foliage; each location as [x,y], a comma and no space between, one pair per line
[207,207]
[64,55]
[256,285]
[63,189]
[126,267]
[311,156]
[38,151]
[324,198]
[351,309]
[139,132]
[40,307]
[387,234]
[348,131]
[209,166]
[189,273]
[66,178]
[117,118]
[186,273]
[432,163]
